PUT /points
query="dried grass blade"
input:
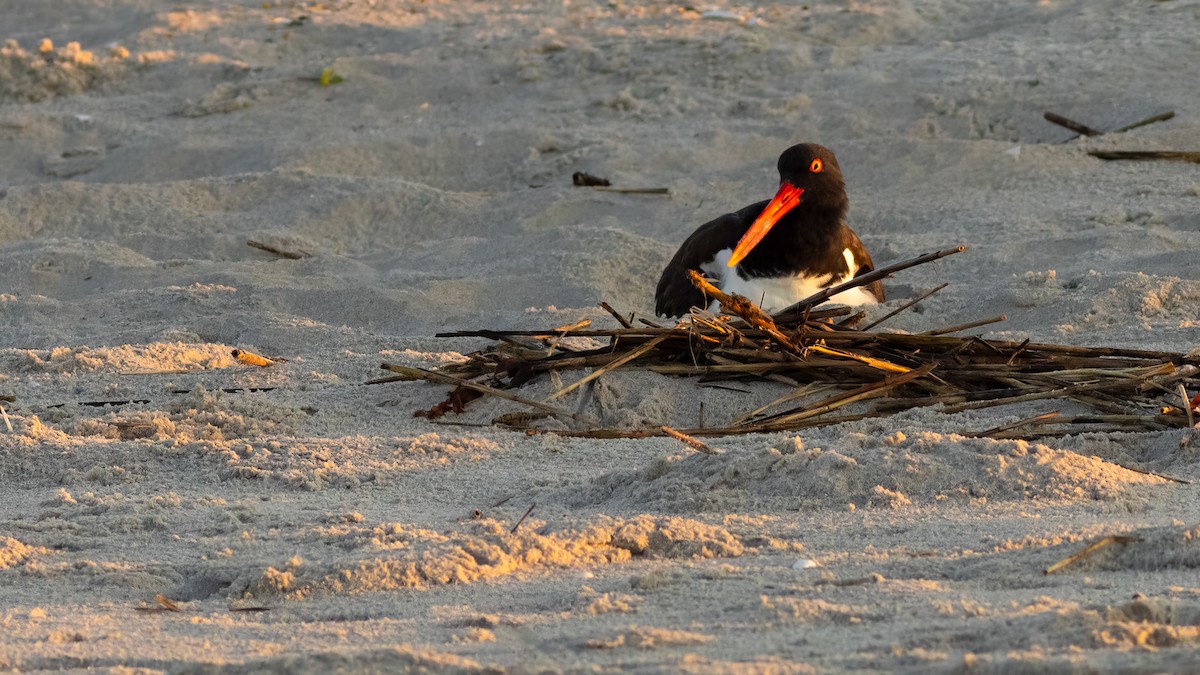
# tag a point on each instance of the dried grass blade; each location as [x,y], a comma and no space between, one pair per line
[966,326]
[901,308]
[616,315]
[1049,416]
[790,396]
[612,365]
[781,421]
[688,440]
[1087,551]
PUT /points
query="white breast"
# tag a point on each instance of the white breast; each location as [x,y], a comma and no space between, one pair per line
[775,294]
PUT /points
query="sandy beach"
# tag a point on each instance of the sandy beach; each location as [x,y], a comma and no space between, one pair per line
[416,157]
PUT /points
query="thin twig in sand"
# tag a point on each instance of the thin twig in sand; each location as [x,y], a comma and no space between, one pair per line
[1071,124]
[1147,155]
[1019,423]
[635,191]
[612,365]
[290,255]
[616,315]
[901,308]
[688,440]
[1089,550]
[1161,117]
[518,524]
[966,326]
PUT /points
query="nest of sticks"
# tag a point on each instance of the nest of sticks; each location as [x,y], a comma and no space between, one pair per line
[837,370]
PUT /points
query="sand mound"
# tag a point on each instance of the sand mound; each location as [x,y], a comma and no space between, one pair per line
[487,550]
[14,552]
[862,470]
[48,72]
[396,659]
[155,356]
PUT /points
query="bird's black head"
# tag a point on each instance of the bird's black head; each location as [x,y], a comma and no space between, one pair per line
[814,169]
[810,180]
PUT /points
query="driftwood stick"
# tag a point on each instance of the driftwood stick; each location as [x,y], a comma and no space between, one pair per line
[522,520]
[615,314]
[872,390]
[634,191]
[291,255]
[1088,550]
[1071,124]
[966,326]
[799,392]
[611,365]
[1161,117]
[1038,395]
[1147,155]
[411,373]
[689,440]
[901,308]
[796,311]
[1019,423]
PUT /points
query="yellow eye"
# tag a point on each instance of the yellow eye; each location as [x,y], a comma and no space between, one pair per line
[816,167]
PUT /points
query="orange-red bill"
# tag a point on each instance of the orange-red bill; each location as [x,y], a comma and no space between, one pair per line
[785,200]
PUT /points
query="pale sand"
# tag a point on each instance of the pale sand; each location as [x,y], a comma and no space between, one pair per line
[432,188]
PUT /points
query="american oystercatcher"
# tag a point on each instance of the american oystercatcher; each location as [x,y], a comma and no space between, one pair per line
[779,252]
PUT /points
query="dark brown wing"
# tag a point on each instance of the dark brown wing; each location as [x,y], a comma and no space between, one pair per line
[863,260]
[675,294]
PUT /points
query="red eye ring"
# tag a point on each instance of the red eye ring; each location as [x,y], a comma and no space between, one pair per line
[817,166]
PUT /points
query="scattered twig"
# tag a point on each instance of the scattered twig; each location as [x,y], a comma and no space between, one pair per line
[635,191]
[966,326]
[1187,405]
[578,325]
[1146,155]
[1071,124]
[1017,352]
[901,308]
[1089,550]
[1161,117]
[7,422]
[612,365]
[689,440]
[8,398]
[291,255]
[616,315]
[518,524]
[1019,423]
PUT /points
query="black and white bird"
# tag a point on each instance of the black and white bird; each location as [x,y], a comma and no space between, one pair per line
[777,252]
